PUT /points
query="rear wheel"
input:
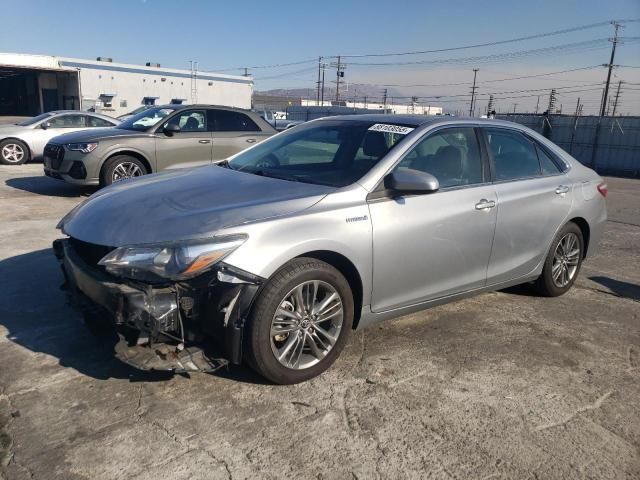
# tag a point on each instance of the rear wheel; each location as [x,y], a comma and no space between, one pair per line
[13,152]
[121,167]
[300,322]
[563,262]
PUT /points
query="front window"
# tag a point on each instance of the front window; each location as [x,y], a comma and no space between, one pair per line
[329,152]
[34,120]
[146,119]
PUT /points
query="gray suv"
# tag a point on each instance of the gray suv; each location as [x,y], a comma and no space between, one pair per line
[339,223]
[171,136]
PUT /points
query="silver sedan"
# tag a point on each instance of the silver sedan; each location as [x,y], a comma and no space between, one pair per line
[25,140]
[337,224]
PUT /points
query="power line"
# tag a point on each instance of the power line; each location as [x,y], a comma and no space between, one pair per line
[494,43]
[575,46]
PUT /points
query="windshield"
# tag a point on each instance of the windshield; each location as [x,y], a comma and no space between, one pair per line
[31,121]
[146,119]
[328,152]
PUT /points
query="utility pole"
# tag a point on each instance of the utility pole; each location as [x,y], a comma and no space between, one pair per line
[614,41]
[384,101]
[473,91]
[339,73]
[322,91]
[490,105]
[615,102]
[246,71]
[538,104]
[318,93]
[578,106]
[514,107]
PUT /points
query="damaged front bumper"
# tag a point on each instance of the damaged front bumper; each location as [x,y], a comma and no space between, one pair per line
[196,325]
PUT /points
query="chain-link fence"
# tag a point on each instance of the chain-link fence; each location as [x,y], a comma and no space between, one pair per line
[609,145]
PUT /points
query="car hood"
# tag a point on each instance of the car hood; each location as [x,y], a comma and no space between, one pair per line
[10,129]
[184,204]
[97,134]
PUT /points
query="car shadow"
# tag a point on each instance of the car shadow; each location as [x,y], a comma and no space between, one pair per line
[623,289]
[49,186]
[34,310]
[523,290]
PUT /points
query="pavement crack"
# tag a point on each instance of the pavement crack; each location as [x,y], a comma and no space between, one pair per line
[596,405]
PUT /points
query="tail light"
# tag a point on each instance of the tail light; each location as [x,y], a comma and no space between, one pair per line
[603,189]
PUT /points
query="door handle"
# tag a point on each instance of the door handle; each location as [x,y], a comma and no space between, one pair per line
[204,141]
[251,140]
[485,204]
[562,189]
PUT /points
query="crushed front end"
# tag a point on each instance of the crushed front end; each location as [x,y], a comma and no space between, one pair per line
[193,324]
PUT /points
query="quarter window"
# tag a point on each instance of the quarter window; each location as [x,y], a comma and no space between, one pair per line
[514,156]
[451,155]
[229,121]
[549,167]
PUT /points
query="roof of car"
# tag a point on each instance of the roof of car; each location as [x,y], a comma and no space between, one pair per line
[81,112]
[202,105]
[417,120]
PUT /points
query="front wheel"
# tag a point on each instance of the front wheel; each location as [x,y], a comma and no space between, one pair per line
[563,262]
[121,167]
[301,322]
[13,152]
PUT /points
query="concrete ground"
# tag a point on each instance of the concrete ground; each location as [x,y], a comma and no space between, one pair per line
[504,385]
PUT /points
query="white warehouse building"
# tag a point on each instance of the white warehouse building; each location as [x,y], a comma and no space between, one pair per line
[33,84]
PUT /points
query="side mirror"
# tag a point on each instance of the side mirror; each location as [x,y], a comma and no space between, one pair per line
[45,125]
[170,129]
[407,180]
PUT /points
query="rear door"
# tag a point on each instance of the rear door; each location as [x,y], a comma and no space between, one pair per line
[190,147]
[533,201]
[233,132]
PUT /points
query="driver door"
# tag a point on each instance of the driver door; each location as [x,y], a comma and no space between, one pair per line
[434,245]
[189,147]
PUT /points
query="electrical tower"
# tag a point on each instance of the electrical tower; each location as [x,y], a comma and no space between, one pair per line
[552,101]
[384,100]
[473,92]
[615,102]
[490,106]
[339,74]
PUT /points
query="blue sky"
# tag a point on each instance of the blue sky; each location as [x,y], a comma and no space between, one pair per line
[221,35]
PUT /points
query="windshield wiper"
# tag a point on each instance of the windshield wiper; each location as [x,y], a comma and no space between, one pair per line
[225,164]
[264,173]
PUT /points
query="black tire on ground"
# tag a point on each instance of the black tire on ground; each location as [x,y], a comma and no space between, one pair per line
[14,152]
[107,173]
[545,284]
[258,351]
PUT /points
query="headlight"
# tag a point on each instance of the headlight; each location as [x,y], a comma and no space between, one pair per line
[176,261]
[82,147]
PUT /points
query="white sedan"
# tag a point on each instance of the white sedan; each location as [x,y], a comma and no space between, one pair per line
[25,140]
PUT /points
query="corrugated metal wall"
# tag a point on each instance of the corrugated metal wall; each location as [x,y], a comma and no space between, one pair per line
[609,145]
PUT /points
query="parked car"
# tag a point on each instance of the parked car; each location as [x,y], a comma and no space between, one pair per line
[279,124]
[25,140]
[337,224]
[155,139]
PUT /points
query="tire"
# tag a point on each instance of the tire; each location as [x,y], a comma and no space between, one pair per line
[115,168]
[564,265]
[262,348]
[14,152]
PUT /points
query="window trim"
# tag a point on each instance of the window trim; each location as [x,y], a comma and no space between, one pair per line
[379,193]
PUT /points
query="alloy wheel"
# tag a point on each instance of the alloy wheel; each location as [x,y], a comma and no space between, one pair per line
[12,153]
[565,260]
[306,325]
[126,170]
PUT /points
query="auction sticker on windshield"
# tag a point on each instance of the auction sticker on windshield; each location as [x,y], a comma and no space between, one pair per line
[384,127]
